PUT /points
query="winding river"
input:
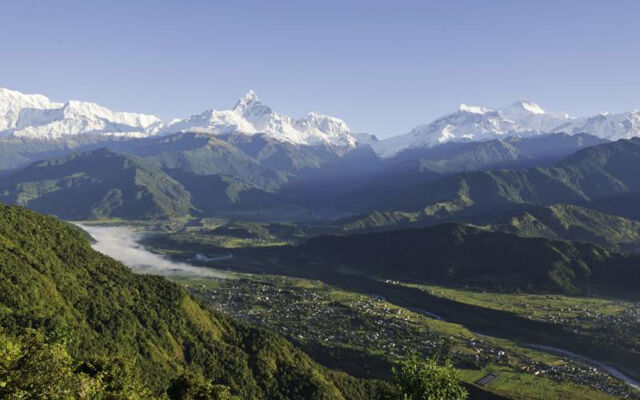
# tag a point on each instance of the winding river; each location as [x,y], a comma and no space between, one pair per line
[122,243]
[577,357]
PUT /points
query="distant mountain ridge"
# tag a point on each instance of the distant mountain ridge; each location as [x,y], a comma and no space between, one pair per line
[104,184]
[94,185]
[587,178]
[509,152]
[465,254]
[37,117]
[556,222]
[522,118]
[201,174]
[251,116]
[570,222]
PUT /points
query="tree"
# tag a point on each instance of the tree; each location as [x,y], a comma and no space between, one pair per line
[193,386]
[34,366]
[30,367]
[426,380]
[111,378]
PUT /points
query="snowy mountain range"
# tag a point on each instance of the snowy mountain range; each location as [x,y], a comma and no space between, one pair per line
[522,118]
[251,116]
[37,117]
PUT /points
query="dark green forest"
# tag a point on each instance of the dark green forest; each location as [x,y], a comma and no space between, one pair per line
[74,320]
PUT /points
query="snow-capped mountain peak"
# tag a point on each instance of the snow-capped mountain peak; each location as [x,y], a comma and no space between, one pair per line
[13,102]
[475,123]
[251,116]
[35,116]
[527,106]
[523,118]
[247,102]
[609,126]
[474,109]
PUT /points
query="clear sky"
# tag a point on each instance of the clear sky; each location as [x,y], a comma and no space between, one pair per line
[383,66]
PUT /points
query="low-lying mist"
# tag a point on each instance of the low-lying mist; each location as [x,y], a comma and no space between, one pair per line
[122,243]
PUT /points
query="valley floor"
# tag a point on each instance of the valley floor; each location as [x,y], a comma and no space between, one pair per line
[364,334]
[363,326]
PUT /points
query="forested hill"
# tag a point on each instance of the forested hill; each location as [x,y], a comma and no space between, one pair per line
[588,178]
[97,184]
[75,321]
[464,254]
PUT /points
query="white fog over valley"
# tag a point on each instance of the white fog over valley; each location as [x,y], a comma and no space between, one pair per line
[122,244]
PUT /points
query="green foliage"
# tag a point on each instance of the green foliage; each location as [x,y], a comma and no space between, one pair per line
[32,368]
[570,222]
[191,386]
[170,177]
[205,155]
[97,313]
[260,231]
[97,184]
[426,380]
[464,254]
[587,177]
[35,367]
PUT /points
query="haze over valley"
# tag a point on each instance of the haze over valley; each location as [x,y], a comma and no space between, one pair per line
[389,215]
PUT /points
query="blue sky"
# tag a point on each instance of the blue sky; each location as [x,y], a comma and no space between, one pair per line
[382,66]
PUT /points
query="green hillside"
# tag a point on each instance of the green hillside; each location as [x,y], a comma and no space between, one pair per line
[597,172]
[589,176]
[280,155]
[79,302]
[413,167]
[570,222]
[104,184]
[463,254]
[213,194]
[455,157]
[203,154]
[558,221]
[18,152]
[96,184]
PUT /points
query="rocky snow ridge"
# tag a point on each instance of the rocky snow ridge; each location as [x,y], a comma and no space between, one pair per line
[35,116]
[251,116]
[523,118]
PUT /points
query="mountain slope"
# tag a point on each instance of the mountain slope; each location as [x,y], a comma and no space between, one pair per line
[521,119]
[218,194]
[36,117]
[472,123]
[625,205]
[417,166]
[464,254]
[18,152]
[568,222]
[204,154]
[97,184]
[176,175]
[594,173]
[609,126]
[54,283]
[285,156]
[251,116]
